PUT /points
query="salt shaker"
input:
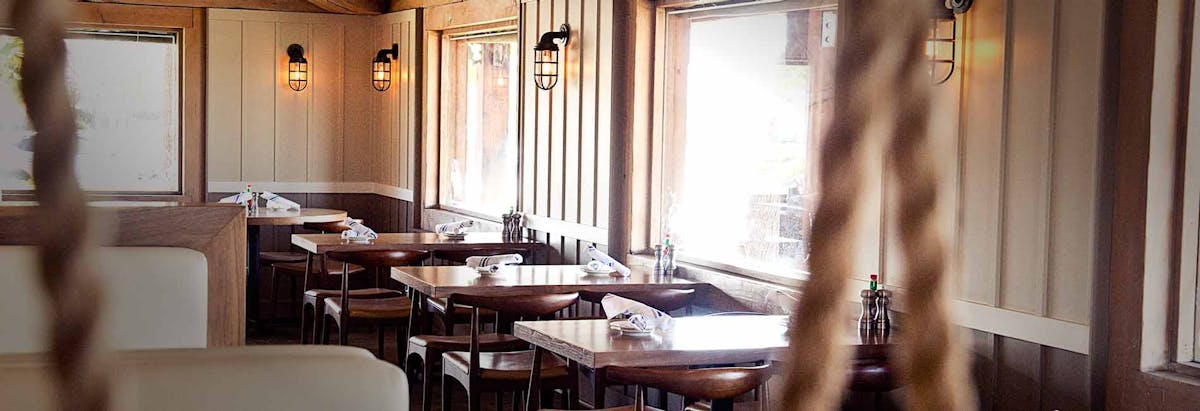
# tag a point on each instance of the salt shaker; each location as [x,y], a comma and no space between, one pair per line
[658,259]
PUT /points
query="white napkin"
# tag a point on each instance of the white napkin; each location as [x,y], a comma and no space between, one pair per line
[493,263]
[630,313]
[457,227]
[277,201]
[608,261]
[239,198]
[358,231]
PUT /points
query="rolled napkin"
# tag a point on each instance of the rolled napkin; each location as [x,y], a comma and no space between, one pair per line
[457,227]
[239,198]
[625,313]
[358,231]
[277,201]
[603,258]
[493,263]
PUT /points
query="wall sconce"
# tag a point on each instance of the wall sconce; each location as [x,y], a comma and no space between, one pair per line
[545,57]
[297,68]
[942,42]
[381,67]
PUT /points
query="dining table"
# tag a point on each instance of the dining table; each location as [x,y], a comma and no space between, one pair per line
[692,341]
[442,281]
[263,216]
[323,243]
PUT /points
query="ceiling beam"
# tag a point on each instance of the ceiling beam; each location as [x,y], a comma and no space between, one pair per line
[272,5]
[352,6]
[399,5]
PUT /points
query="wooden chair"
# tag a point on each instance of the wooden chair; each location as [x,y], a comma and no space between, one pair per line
[721,385]
[344,308]
[665,300]
[436,307]
[428,349]
[478,371]
[312,300]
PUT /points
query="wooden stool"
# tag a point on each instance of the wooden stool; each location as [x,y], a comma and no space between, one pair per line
[872,376]
[478,371]
[437,306]
[342,309]
[721,385]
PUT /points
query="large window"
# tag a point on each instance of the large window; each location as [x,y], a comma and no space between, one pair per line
[742,109]
[125,89]
[478,164]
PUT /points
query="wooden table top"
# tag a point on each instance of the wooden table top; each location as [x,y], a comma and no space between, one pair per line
[693,341]
[441,281]
[323,243]
[265,216]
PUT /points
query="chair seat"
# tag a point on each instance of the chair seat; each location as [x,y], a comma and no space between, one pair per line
[372,308]
[271,257]
[362,292]
[438,305]
[487,342]
[507,366]
[333,267]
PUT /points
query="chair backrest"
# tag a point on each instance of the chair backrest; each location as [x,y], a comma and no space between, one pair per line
[380,258]
[523,306]
[460,256]
[706,383]
[330,227]
[665,300]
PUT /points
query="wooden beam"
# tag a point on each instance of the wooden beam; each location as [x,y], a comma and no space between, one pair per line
[272,5]
[352,6]
[400,5]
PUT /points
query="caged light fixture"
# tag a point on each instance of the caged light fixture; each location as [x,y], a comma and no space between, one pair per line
[297,67]
[942,42]
[545,57]
[381,67]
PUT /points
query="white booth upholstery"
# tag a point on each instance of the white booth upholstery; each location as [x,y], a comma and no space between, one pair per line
[292,378]
[156,297]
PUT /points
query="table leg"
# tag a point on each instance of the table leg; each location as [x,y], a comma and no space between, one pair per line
[252,233]
[599,387]
[414,310]
[533,399]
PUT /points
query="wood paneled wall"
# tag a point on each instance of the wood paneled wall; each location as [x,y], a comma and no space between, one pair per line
[565,131]
[338,129]
[1028,155]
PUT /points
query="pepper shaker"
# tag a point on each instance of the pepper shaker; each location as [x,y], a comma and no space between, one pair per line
[866,320]
[883,304]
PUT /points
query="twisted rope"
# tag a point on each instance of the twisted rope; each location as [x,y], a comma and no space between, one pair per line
[72,284]
[930,360]
[817,377]
[882,87]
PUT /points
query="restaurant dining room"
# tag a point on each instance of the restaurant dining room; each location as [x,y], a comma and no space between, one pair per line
[668,205]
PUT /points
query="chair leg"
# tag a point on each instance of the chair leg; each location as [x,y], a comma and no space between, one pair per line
[499,400]
[305,318]
[445,391]
[402,346]
[274,293]
[379,338]
[325,329]
[343,325]
[427,382]
[474,400]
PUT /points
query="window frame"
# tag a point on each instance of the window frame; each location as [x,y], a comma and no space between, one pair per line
[440,59]
[661,124]
[188,24]
[93,31]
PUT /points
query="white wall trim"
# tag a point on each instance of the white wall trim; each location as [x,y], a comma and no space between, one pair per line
[314,187]
[1013,324]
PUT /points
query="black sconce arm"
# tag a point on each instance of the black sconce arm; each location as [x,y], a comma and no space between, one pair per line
[383,53]
[548,38]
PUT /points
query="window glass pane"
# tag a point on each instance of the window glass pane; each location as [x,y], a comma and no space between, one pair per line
[479,146]
[125,89]
[743,123]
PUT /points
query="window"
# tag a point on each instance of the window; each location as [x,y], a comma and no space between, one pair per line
[478,154]
[741,115]
[125,89]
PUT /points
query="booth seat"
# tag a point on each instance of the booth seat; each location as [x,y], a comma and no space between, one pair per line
[156,297]
[292,378]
